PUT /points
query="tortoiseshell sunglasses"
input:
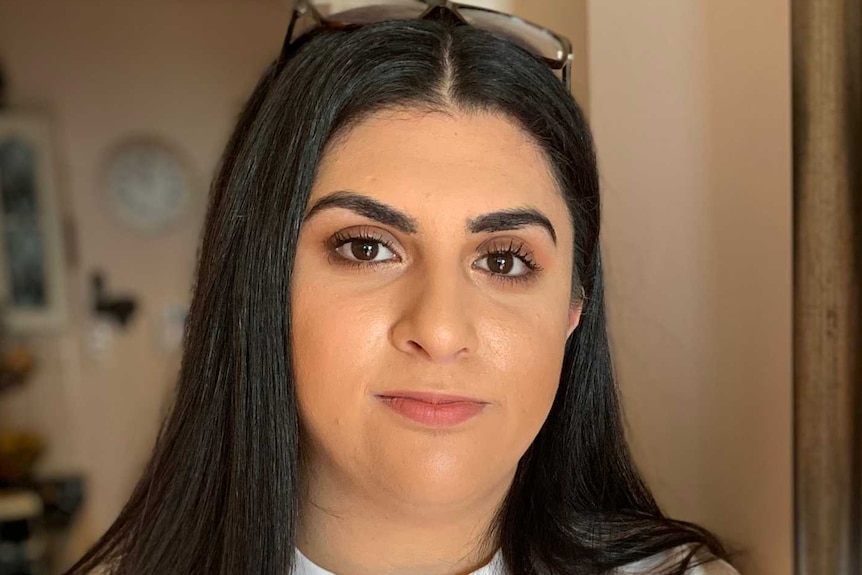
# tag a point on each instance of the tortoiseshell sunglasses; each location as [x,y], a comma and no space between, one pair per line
[555,50]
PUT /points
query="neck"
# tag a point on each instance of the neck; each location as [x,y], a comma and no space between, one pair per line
[349,530]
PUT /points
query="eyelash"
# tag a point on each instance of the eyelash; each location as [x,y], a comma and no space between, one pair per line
[514,248]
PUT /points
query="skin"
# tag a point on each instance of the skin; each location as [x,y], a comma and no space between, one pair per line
[385,495]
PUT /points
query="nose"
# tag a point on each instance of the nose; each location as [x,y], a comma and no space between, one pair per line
[436,320]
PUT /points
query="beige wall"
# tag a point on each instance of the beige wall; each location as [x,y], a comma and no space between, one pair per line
[689,101]
[690,104]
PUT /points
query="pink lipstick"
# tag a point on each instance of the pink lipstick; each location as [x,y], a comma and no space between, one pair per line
[434,409]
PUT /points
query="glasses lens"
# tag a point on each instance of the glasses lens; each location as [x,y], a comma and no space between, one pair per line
[370,11]
[527,35]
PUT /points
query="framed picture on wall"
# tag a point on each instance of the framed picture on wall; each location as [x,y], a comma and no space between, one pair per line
[32,282]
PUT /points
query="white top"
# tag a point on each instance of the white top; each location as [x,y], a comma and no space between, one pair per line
[304,566]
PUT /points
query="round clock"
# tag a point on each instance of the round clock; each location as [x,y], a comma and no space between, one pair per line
[148,184]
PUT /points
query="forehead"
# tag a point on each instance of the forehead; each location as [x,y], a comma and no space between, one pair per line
[463,162]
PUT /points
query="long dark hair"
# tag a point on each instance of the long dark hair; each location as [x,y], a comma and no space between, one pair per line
[220,494]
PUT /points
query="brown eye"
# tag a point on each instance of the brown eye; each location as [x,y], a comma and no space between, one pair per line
[504,263]
[364,250]
[501,263]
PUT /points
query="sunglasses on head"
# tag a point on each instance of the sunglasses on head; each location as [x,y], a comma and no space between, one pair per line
[555,50]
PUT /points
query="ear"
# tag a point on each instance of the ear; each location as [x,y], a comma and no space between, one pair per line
[575,315]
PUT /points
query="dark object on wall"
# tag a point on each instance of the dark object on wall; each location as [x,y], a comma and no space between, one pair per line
[118,308]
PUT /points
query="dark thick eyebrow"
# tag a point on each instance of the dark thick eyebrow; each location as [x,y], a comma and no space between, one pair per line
[499,221]
[511,219]
[366,207]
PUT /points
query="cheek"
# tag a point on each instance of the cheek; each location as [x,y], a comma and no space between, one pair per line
[527,358]
[334,349]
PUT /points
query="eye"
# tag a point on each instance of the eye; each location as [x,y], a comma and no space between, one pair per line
[362,248]
[506,264]
[511,262]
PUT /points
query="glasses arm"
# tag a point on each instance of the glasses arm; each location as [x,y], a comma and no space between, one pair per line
[301,8]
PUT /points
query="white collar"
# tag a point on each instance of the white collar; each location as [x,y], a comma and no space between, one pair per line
[305,566]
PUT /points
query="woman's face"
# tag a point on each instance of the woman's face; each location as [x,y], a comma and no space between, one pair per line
[413,274]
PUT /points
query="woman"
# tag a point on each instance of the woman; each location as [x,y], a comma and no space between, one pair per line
[396,358]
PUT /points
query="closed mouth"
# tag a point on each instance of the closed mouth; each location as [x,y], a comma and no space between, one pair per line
[430,397]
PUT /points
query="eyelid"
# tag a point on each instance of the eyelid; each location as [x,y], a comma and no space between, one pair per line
[363,233]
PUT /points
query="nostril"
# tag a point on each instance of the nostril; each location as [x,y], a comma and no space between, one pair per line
[414,346]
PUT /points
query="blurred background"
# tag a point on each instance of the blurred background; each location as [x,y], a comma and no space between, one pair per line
[690,103]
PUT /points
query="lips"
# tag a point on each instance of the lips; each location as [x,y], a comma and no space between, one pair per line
[433,409]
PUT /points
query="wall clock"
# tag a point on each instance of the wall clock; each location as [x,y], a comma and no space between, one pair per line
[148,184]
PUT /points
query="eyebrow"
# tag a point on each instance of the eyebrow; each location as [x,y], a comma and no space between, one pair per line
[498,221]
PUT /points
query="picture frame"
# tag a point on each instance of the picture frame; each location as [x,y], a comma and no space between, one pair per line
[32,270]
